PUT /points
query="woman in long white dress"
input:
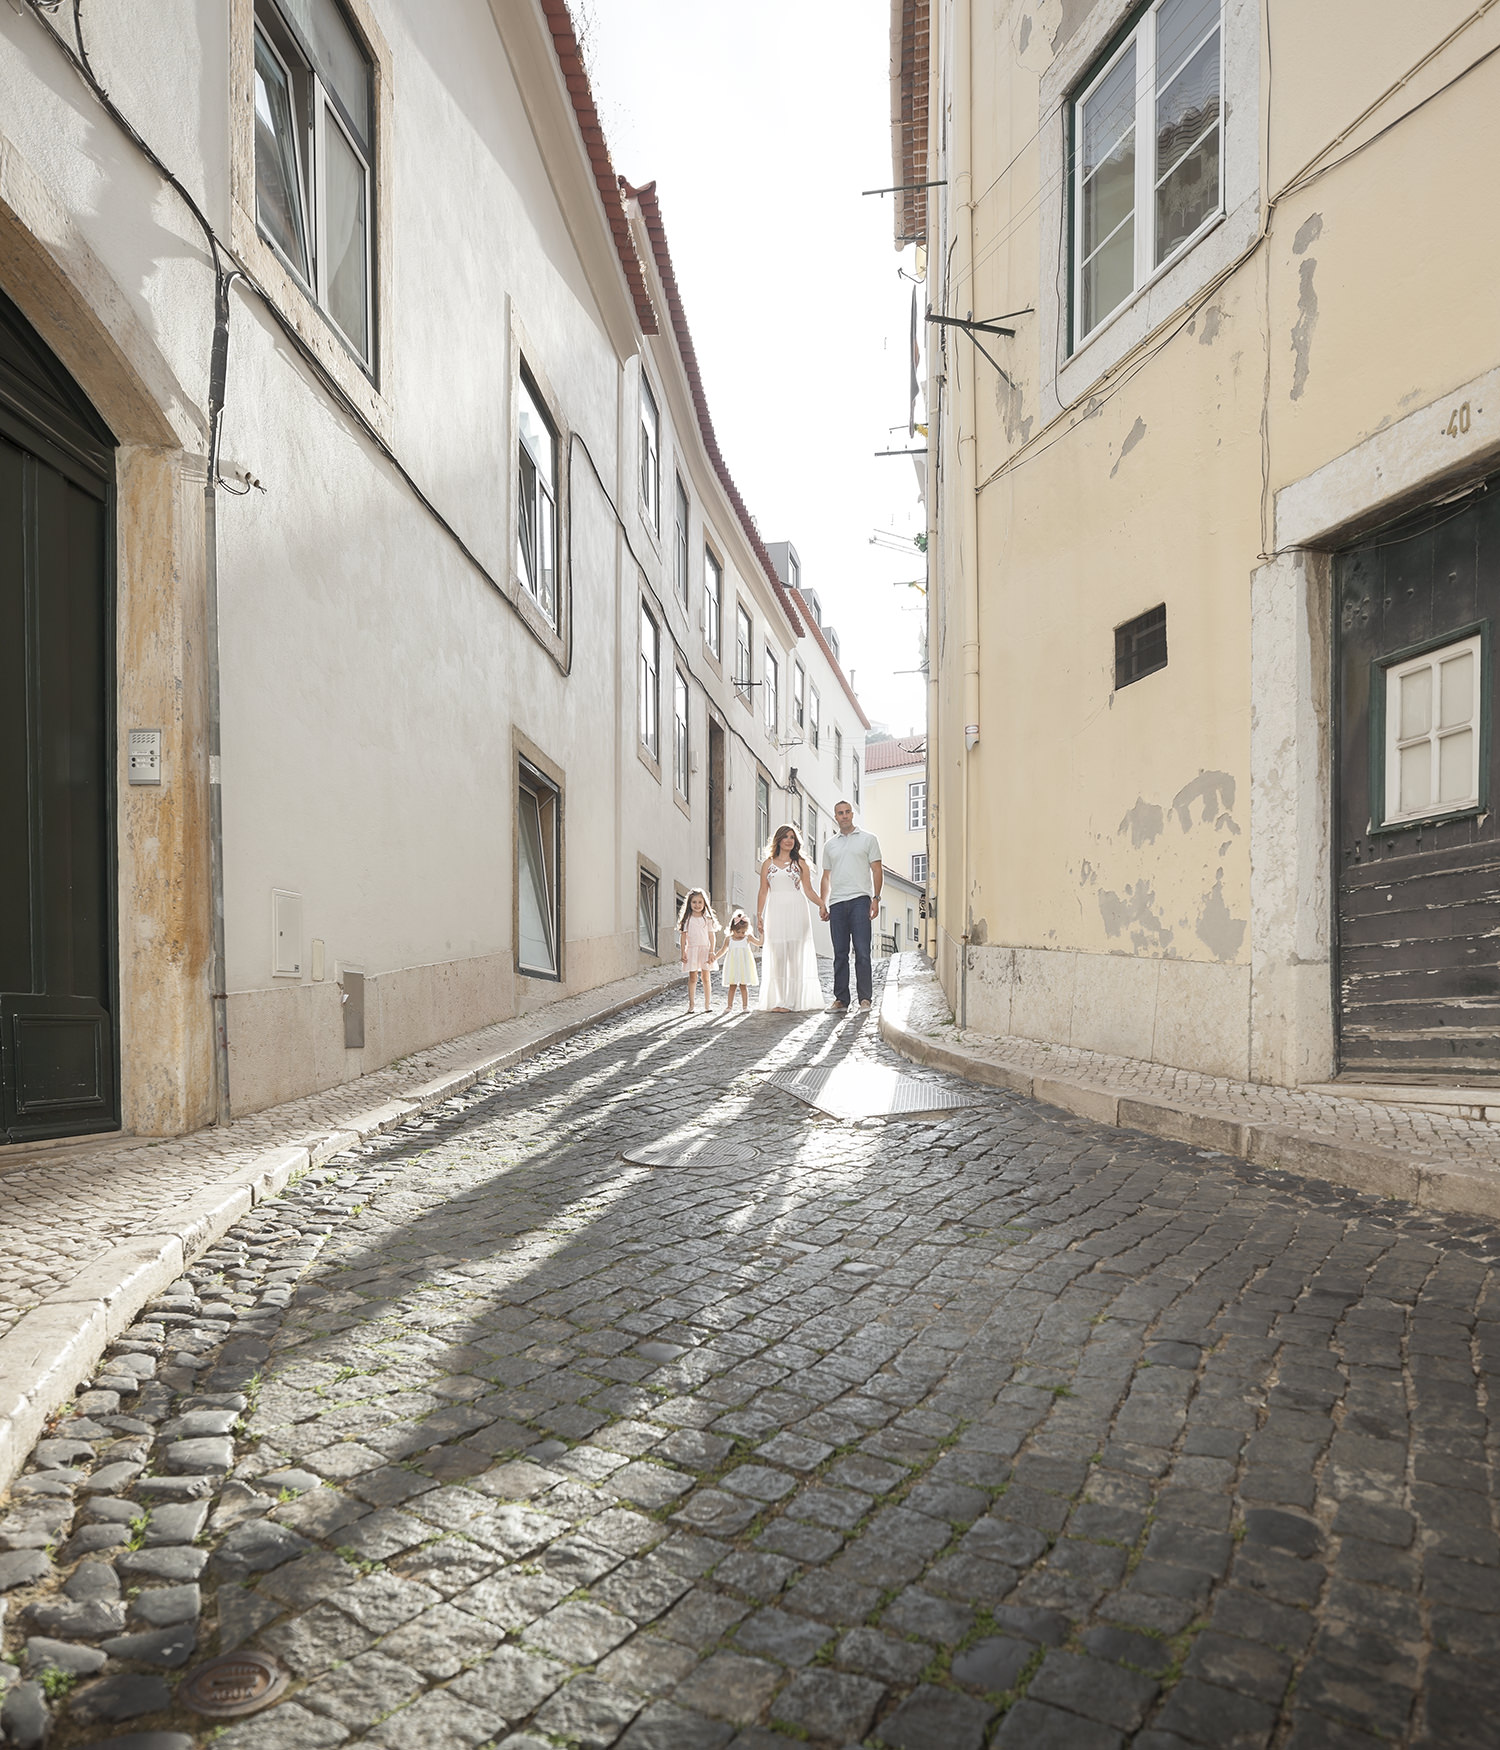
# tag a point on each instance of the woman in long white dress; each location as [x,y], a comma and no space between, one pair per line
[789,963]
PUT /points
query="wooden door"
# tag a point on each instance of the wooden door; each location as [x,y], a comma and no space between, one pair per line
[1417,844]
[58,1045]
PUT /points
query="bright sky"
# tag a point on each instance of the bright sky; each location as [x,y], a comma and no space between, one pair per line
[760,126]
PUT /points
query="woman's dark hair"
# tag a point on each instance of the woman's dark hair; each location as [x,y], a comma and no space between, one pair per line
[779,834]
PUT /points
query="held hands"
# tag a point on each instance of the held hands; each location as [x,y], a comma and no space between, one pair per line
[823,913]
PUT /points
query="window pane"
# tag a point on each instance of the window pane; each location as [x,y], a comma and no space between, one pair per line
[536,910]
[646,922]
[1188,197]
[1180,26]
[1416,703]
[1109,278]
[1456,686]
[1108,152]
[1187,149]
[341,60]
[1456,766]
[278,181]
[346,231]
[1416,777]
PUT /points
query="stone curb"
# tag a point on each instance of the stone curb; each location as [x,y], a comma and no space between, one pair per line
[1359,1166]
[56,1345]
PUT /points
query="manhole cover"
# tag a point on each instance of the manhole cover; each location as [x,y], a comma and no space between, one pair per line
[865,1091]
[236,1683]
[689,1149]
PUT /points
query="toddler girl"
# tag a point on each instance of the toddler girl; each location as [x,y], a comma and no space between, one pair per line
[697,926]
[738,970]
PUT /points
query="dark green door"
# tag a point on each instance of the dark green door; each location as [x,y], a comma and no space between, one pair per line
[58,1043]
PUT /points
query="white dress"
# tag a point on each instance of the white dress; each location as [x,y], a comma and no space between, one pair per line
[788,961]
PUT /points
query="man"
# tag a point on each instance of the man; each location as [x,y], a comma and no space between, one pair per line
[850,903]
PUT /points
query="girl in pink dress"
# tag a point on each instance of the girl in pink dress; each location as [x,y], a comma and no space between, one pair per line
[698,928]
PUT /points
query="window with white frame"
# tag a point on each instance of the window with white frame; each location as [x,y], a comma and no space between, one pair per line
[650,683]
[799,695]
[314,149]
[838,756]
[762,813]
[793,571]
[536,497]
[680,544]
[680,731]
[713,600]
[647,911]
[919,865]
[814,733]
[916,805]
[812,829]
[650,456]
[855,785]
[1432,732]
[1147,154]
[771,688]
[742,658]
[538,848]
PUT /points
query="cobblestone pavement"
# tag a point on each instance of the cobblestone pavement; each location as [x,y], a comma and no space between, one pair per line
[1409,1130]
[62,1207]
[994,1428]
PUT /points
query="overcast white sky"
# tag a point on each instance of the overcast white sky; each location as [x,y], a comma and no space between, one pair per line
[760,126]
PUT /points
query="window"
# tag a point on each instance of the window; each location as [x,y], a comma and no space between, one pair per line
[538,820]
[680,731]
[855,763]
[314,145]
[838,756]
[771,686]
[1140,646]
[650,683]
[794,809]
[536,498]
[793,571]
[762,811]
[919,866]
[680,545]
[1147,160]
[916,805]
[713,600]
[812,829]
[1432,725]
[742,672]
[650,456]
[812,716]
[646,912]
[799,695]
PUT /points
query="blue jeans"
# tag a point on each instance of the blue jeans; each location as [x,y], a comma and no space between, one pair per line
[849,924]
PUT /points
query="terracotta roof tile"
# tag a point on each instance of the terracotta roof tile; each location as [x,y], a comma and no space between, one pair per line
[894,751]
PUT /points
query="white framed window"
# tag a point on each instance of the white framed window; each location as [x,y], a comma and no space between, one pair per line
[763,812]
[771,687]
[812,829]
[538,849]
[1147,132]
[713,601]
[838,756]
[799,695]
[794,571]
[680,768]
[916,805]
[314,149]
[680,544]
[855,785]
[814,731]
[1432,732]
[648,911]
[918,867]
[536,497]
[650,456]
[742,657]
[650,687]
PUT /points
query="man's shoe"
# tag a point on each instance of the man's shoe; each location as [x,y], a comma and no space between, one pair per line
[865,1003]
[838,1008]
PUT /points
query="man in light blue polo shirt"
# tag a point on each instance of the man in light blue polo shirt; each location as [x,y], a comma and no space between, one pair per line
[850,901]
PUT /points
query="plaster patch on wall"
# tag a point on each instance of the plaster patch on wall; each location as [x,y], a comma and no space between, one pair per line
[1212,317]
[1302,330]
[1008,404]
[1023,35]
[1087,874]
[1132,438]
[1144,823]
[1221,933]
[1037,33]
[1135,913]
[1215,790]
[1308,232]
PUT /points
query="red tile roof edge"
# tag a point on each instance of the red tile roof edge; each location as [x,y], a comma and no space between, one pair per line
[910,749]
[575,77]
[651,213]
[833,661]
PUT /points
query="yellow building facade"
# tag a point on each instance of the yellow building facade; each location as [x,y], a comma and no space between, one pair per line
[1213,396]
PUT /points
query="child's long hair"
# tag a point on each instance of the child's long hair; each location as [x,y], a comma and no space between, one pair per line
[687,911]
[779,834]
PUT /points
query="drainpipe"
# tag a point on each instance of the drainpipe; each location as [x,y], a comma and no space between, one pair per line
[217,379]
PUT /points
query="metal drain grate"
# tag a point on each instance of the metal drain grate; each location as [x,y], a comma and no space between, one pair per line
[853,1090]
[689,1149]
[235,1683]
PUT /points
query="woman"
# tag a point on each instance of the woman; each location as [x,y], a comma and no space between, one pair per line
[789,965]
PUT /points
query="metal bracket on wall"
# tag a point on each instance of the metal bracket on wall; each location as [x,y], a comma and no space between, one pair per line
[991,325]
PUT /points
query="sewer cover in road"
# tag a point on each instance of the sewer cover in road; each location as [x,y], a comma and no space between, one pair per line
[234,1683]
[856,1090]
[689,1148]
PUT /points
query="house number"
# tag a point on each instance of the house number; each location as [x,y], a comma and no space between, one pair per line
[1458,422]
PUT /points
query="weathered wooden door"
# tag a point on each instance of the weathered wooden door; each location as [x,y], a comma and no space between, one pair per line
[58,1049]
[1417,844]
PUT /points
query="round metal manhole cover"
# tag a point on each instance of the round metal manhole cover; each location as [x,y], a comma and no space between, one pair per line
[234,1683]
[688,1150]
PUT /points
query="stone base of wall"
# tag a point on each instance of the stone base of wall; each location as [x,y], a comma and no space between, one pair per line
[1186,1013]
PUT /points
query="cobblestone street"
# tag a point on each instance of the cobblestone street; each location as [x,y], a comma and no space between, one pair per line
[988,1426]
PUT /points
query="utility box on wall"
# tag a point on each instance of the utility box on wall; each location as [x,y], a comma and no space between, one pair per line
[352,987]
[286,934]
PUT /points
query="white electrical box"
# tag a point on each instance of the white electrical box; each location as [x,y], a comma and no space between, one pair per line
[286,934]
[143,748]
